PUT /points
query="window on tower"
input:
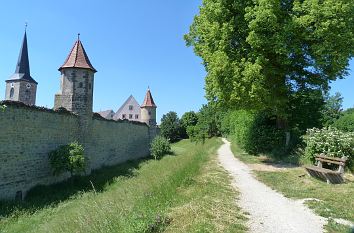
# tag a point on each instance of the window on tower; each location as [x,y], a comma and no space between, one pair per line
[27,94]
[12,92]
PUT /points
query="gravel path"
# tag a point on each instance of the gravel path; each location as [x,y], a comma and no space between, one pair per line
[270,212]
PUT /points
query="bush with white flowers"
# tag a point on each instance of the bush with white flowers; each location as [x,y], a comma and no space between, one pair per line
[331,142]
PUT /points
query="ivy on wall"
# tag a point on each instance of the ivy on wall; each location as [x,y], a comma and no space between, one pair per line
[2,108]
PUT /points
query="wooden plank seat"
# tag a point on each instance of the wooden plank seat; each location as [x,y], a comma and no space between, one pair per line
[332,177]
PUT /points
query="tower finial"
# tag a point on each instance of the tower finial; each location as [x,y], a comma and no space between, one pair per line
[78,36]
[26,24]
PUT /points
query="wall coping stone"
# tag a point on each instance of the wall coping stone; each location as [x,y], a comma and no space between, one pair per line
[18,104]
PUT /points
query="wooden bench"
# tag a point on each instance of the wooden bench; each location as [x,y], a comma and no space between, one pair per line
[332,177]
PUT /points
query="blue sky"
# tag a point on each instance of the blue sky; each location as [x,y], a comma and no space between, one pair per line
[132,44]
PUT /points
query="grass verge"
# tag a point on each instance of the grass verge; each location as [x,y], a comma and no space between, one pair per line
[330,201]
[140,196]
[207,203]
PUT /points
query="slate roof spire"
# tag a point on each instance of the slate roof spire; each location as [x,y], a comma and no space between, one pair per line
[148,101]
[78,57]
[23,68]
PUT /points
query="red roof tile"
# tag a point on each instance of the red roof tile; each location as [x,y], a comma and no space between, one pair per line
[78,58]
[148,101]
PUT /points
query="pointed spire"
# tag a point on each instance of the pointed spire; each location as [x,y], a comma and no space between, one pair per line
[148,101]
[78,57]
[22,67]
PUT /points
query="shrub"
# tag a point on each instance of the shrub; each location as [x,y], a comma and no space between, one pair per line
[68,158]
[330,141]
[2,108]
[159,147]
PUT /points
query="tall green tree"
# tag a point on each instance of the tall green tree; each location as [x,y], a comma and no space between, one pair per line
[209,120]
[170,126]
[258,53]
[332,109]
[188,119]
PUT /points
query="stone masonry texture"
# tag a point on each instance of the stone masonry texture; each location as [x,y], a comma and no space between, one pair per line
[28,134]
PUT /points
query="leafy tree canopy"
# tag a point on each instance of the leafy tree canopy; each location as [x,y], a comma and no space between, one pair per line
[170,126]
[209,120]
[188,119]
[332,109]
[346,121]
[258,52]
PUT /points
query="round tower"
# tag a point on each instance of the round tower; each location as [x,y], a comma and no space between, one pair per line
[76,82]
[148,110]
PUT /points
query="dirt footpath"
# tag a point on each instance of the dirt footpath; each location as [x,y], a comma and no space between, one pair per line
[269,211]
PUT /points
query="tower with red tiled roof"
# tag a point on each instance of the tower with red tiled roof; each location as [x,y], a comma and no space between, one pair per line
[148,109]
[77,79]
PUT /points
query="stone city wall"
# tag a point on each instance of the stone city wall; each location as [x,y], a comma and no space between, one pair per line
[28,134]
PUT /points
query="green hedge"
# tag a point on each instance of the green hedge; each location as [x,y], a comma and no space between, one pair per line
[255,132]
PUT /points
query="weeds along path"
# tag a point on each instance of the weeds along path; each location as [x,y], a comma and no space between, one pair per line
[269,211]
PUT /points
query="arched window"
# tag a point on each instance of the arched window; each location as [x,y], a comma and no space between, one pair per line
[12,92]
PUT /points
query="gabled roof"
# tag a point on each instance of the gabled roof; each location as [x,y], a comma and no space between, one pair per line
[107,114]
[22,71]
[148,101]
[78,58]
[130,99]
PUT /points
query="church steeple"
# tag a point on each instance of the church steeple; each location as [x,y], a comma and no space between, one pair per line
[21,86]
[22,67]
